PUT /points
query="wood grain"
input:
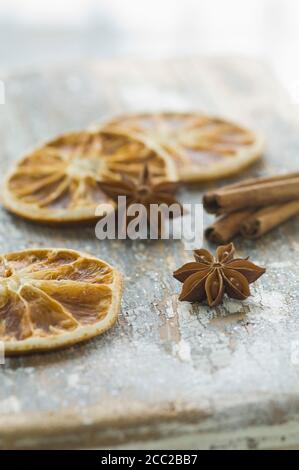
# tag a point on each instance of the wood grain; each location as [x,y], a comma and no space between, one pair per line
[169,372]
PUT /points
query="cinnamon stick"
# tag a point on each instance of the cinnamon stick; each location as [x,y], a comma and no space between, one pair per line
[253,193]
[262,179]
[226,228]
[268,218]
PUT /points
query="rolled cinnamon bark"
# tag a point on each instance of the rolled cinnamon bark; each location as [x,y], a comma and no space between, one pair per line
[226,228]
[268,218]
[263,179]
[253,193]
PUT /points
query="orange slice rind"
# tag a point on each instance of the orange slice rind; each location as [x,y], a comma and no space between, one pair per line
[59,181]
[202,147]
[53,298]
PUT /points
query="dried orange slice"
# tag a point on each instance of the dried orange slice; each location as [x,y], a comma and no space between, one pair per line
[59,182]
[203,147]
[52,298]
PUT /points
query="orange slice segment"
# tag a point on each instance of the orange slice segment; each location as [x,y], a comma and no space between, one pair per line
[53,298]
[202,147]
[59,182]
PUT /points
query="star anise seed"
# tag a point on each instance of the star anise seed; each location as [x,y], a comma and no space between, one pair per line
[143,192]
[209,277]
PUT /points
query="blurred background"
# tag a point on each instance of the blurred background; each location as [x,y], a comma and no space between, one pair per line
[34,32]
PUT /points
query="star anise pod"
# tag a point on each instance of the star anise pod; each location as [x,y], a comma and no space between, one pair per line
[209,277]
[144,192]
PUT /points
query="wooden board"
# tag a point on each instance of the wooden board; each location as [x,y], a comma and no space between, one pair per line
[169,374]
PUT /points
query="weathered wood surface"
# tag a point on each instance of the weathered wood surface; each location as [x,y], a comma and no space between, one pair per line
[169,373]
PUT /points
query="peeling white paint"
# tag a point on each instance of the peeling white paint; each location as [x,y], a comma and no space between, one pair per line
[232,306]
[183,350]
[184,308]
[169,310]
